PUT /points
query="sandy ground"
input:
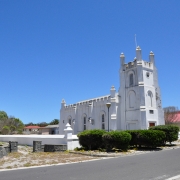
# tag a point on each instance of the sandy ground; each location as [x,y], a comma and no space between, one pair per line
[26,158]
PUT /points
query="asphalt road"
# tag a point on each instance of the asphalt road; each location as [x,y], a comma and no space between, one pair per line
[157,165]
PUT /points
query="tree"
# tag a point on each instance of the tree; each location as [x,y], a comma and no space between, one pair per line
[42,124]
[3,115]
[55,121]
[30,124]
[5,130]
[170,114]
[10,124]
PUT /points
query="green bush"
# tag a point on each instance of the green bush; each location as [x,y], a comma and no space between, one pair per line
[147,138]
[91,139]
[116,139]
[171,132]
[5,130]
[134,137]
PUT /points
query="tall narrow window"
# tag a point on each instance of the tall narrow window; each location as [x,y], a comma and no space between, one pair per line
[131,80]
[84,123]
[150,96]
[70,121]
[103,122]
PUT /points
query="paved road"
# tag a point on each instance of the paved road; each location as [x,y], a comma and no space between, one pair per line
[149,166]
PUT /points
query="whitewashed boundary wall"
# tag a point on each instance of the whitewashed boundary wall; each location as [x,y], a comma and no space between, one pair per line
[70,140]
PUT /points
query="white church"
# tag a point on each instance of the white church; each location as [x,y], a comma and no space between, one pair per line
[137,104]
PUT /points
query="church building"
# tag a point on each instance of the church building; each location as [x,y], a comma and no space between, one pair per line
[136,105]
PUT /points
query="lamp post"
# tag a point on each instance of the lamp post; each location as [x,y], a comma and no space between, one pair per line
[108,106]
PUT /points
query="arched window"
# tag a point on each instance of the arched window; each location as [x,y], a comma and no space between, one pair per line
[103,122]
[131,80]
[69,121]
[149,99]
[84,120]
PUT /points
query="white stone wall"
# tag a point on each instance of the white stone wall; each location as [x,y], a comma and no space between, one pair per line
[72,143]
[92,110]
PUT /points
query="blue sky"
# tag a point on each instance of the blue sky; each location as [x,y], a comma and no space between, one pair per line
[50,50]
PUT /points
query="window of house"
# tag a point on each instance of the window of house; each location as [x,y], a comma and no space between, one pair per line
[84,123]
[131,80]
[151,111]
[63,121]
[103,122]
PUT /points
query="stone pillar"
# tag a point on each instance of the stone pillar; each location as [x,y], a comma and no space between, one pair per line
[122,59]
[2,152]
[138,54]
[13,146]
[151,57]
[68,136]
[37,146]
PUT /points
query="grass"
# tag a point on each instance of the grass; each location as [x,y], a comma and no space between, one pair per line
[26,158]
[9,167]
[2,143]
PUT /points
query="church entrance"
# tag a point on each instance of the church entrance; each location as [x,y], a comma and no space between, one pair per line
[151,124]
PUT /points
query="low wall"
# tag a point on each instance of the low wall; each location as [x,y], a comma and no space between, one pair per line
[12,147]
[38,147]
[71,142]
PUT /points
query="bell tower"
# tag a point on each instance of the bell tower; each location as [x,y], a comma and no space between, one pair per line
[139,106]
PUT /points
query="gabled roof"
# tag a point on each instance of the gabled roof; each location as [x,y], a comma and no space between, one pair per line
[50,126]
[32,127]
[175,117]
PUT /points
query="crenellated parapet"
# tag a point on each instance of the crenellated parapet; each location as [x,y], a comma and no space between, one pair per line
[137,61]
[90,102]
[130,65]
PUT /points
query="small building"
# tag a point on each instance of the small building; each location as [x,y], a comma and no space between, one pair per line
[50,129]
[31,130]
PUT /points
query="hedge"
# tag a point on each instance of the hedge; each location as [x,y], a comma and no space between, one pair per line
[171,132]
[147,138]
[134,137]
[91,139]
[116,139]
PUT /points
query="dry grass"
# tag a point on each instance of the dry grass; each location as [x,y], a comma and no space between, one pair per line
[26,158]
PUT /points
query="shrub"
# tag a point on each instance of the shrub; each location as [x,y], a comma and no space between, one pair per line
[91,139]
[117,139]
[5,130]
[147,138]
[134,137]
[171,132]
